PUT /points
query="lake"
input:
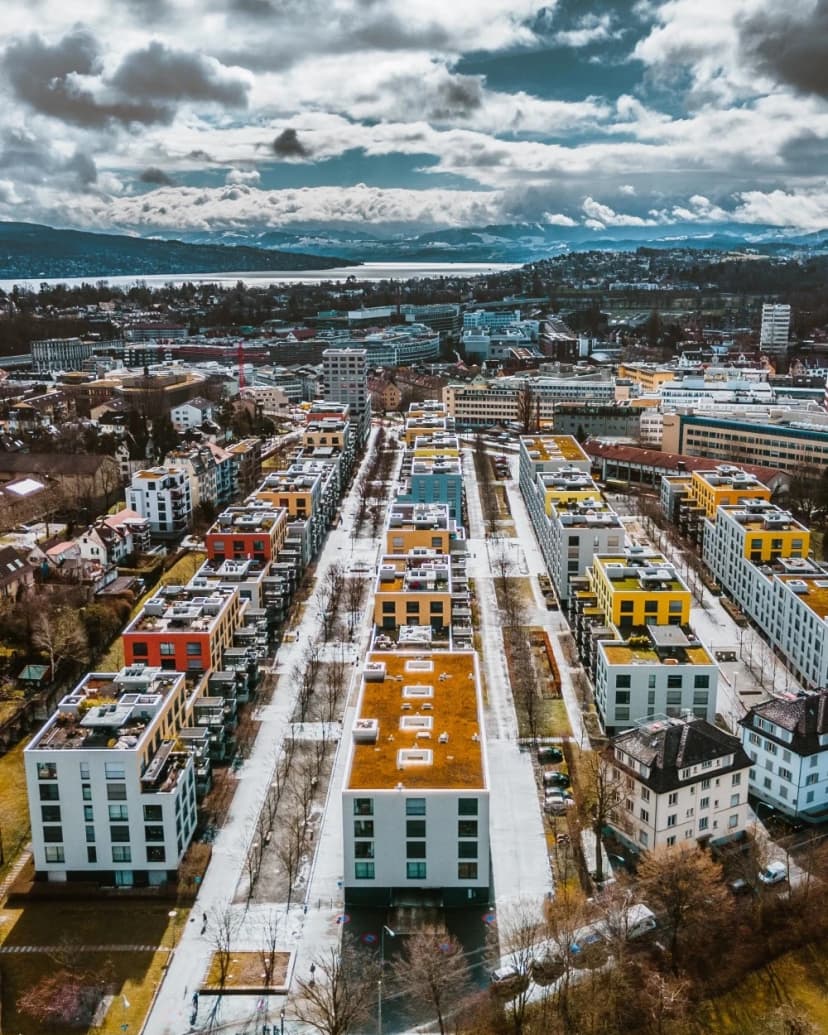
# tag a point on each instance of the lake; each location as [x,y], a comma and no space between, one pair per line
[264,278]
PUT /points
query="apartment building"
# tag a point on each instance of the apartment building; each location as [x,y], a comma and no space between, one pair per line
[163,496]
[183,629]
[480,403]
[300,494]
[776,325]
[420,428]
[787,742]
[112,794]
[245,575]
[414,589]
[254,531]
[420,526]
[682,781]
[699,495]
[660,670]
[60,354]
[415,800]
[247,465]
[550,453]
[432,479]
[639,587]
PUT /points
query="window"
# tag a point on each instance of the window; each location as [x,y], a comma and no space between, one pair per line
[705,784]
[701,682]
[167,650]
[84,770]
[50,813]
[114,771]
[47,770]
[704,803]
[622,682]
[783,791]
[415,828]
[86,792]
[672,799]
[121,854]
[116,791]
[415,849]
[363,849]
[674,682]
[363,806]
[139,650]
[117,812]
[153,813]
[88,814]
[154,833]
[785,774]
[415,871]
[119,833]
[671,840]
[811,778]
[467,828]
[644,815]
[733,822]
[90,833]
[645,794]
[363,828]
[156,854]
[194,649]
[53,835]
[48,792]
[736,780]
[651,681]
[91,854]
[643,837]
[55,854]
[622,697]
[467,806]
[467,849]
[415,806]
[704,822]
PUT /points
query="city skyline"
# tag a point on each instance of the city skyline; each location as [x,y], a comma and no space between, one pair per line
[159,115]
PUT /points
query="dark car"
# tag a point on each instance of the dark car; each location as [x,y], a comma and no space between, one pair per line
[547,753]
[555,778]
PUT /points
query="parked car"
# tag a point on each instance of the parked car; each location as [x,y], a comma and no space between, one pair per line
[739,886]
[555,778]
[547,753]
[774,873]
[557,806]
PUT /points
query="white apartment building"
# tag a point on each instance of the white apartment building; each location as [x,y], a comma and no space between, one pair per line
[662,671]
[163,496]
[60,354]
[681,781]
[415,801]
[111,794]
[787,742]
[346,381]
[776,325]
[498,401]
[651,427]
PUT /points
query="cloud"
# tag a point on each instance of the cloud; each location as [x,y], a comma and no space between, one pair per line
[592,28]
[288,145]
[156,177]
[790,46]
[600,216]
[161,73]
[243,176]
[56,80]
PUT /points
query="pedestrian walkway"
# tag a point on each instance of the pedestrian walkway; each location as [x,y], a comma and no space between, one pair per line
[13,874]
[10,950]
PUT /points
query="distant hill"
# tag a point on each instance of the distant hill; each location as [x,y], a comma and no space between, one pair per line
[28,250]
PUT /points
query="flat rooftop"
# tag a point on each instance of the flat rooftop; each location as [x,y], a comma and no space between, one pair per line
[257,517]
[660,643]
[421,572]
[418,724]
[553,447]
[419,515]
[182,608]
[644,572]
[109,710]
[813,592]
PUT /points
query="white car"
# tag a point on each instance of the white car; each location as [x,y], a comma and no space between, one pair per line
[774,873]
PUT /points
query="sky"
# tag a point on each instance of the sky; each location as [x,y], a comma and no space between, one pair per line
[405,115]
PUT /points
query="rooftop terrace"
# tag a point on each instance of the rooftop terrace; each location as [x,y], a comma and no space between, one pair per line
[656,646]
[418,723]
[553,447]
[182,608]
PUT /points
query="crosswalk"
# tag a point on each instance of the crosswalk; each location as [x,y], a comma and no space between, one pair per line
[14,949]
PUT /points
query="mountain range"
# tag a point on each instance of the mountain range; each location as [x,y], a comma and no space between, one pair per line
[29,250]
[33,251]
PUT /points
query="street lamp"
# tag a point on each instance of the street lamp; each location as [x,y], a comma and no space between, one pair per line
[391,934]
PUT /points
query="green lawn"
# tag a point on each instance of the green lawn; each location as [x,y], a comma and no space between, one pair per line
[555,720]
[14,809]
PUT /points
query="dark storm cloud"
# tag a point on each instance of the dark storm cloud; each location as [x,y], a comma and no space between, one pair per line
[156,177]
[162,74]
[806,154]
[25,155]
[46,78]
[288,145]
[789,49]
[458,97]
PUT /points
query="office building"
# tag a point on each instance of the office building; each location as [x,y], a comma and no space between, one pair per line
[776,326]
[53,354]
[346,381]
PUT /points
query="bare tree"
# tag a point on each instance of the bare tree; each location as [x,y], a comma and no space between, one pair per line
[339,997]
[269,945]
[521,930]
[356,590]
[61,636]
[685,884]
[528,409]
[603,793]
[290,849]
[433,966]
[223,926]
